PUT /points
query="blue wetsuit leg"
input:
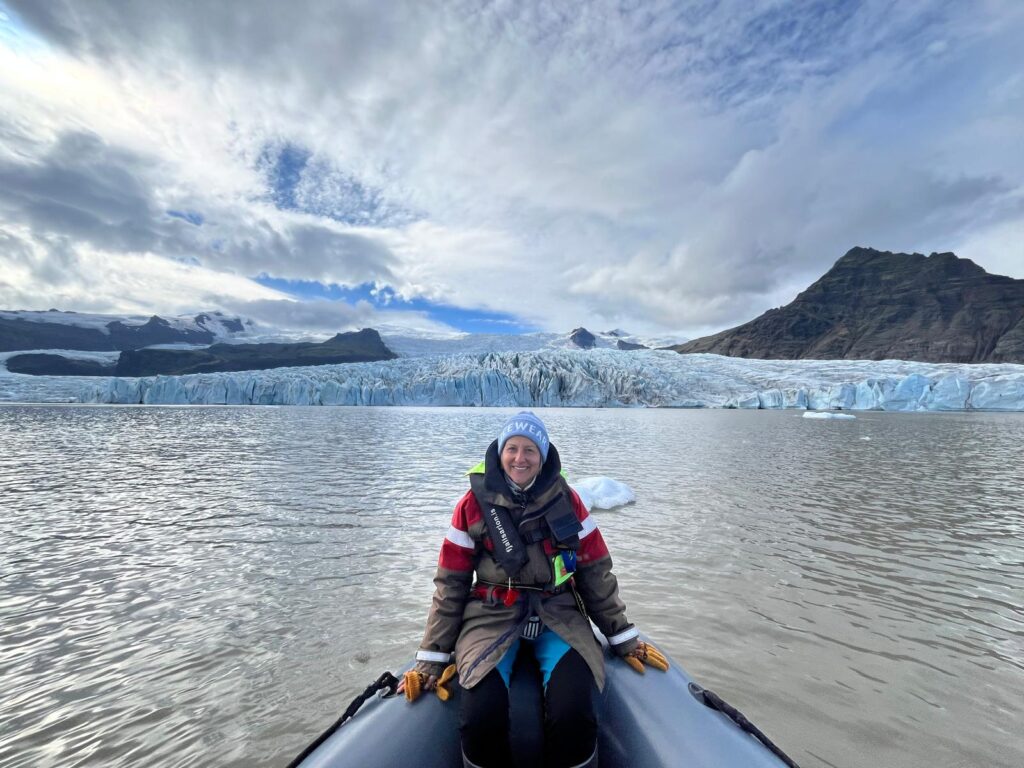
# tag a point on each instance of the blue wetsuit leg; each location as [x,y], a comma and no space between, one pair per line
[549,649]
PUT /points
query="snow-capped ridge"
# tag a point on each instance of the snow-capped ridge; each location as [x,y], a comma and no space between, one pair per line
[406,344]
[216,322]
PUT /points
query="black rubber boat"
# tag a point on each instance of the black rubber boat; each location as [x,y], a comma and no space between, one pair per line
[659,719]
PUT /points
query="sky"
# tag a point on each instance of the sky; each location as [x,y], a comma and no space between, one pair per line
[670,168]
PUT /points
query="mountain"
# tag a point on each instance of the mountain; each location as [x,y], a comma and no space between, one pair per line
[47,364]
[356,347]
[85,341]
[406,344]
[583,338]
[878,305]
[80,331]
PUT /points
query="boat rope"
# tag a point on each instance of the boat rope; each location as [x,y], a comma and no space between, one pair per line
[385,681]
[712,700]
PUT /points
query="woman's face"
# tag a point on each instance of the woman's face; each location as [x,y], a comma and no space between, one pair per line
[520,458]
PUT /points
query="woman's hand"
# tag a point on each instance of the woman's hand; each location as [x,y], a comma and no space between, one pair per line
[413,683]
[646,654]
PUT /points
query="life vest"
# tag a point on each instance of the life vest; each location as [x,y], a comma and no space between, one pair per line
[511,531]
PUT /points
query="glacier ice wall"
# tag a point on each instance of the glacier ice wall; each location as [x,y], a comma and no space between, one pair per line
[594,378]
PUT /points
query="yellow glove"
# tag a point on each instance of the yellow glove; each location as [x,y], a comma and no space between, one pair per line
[413,684]
[646,654]
[443,693]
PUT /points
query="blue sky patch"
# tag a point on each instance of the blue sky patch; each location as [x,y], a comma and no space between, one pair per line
[284,166]
[192,217]
[383,297]
[298,181]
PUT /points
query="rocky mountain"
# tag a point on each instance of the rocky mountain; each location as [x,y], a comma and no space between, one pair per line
[615,339]
[363,346]
[628,345]
[583,338]
[878,305]
[355,347]
[78,331]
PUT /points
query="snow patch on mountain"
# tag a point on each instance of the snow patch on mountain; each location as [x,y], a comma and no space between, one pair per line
[222,326]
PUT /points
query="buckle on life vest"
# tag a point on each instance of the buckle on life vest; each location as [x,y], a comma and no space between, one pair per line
[532,628]
[507,596]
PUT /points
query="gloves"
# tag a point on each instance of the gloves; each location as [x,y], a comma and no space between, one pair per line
[449,672]
[646,654]
[415,682]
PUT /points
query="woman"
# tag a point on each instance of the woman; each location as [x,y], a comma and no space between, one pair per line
[539,562]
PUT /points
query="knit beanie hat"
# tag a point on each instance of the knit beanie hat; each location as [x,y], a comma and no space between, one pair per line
[525,424]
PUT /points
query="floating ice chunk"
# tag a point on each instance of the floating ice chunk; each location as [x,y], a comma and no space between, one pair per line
[603,492]
[827,415]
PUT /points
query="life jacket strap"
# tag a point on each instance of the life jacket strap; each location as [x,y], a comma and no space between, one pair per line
[492,593]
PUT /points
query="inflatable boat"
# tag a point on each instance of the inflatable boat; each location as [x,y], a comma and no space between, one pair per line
[661,719]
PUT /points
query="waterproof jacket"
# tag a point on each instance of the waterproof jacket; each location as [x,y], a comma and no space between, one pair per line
[481,628]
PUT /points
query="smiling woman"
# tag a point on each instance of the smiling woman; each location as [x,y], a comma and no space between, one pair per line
[522,572]
[521,461]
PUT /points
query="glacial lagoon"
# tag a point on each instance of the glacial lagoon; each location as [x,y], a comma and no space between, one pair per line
[211,586]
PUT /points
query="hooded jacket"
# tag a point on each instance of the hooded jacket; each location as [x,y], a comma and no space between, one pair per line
[480,631]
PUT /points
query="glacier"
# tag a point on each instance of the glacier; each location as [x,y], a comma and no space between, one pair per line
[574,378]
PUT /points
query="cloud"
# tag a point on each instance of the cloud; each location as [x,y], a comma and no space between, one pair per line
[323,317]
[82,193]
[59,275]
[85,190]
[663,166]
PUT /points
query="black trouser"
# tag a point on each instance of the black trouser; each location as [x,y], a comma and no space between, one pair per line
[570,721]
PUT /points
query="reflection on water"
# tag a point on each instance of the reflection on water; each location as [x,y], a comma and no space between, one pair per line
[186,586]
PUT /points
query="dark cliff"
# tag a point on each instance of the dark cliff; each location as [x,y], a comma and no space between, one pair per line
[877,305]
[356,347]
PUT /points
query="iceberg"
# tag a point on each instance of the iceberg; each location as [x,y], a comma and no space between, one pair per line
[567,378]
[603,493]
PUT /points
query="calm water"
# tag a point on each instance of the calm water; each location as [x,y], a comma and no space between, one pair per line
[212,586]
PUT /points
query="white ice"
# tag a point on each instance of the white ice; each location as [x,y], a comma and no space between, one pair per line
[603,493]
[827,415]
[576,378]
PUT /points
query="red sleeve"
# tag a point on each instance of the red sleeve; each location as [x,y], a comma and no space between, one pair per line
[592,547]
[458,547]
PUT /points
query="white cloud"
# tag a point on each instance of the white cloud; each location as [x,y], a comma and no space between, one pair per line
[89,279]
[667,167]
[320,317]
